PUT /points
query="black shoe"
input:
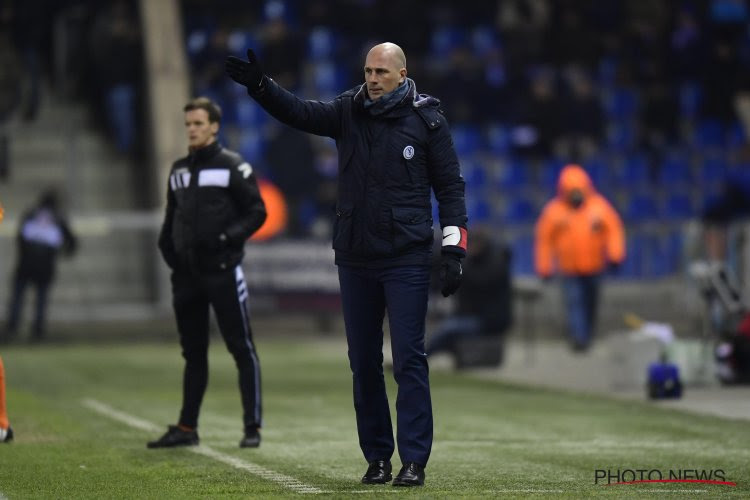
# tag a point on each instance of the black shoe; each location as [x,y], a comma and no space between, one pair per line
[6,435]
[175,437]
[411,474]
[379,472]
[251,439]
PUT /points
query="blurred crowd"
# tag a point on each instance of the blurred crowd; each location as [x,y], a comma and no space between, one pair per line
[651,98]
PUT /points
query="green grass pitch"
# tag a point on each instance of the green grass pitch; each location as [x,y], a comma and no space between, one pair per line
[67,404]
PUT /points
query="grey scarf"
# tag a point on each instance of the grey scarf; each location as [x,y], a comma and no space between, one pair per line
[389,100]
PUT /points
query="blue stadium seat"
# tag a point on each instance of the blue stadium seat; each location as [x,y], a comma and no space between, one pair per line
[549,173]
[678,206]
[248,113]
[239,41]
[632,267]
[620,104]
[713,168]
[447,38]
[519,210]
[474,173]
[484,39]
[321,43]
[690,96]
[522,262]
[641,207]
[515,174]
[251,145]
[675,171]
[635,172]
[498,138]
[621,135]
[736,137]
[329,78]
[467,139]
[478,210]
[708,134]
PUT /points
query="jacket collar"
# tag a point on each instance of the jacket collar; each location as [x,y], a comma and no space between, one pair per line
[206,152]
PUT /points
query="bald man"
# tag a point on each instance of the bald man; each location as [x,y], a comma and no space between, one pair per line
[394,148]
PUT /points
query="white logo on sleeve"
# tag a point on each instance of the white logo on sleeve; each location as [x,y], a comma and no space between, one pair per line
[409,152]
[245,169]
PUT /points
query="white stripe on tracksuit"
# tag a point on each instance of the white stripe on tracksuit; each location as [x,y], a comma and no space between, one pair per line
[242,296]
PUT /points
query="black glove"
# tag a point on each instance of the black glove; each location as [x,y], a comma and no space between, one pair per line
[248,73]
[451,273]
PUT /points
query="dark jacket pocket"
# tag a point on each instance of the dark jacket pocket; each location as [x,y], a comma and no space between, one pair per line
[411,226]
[342,229]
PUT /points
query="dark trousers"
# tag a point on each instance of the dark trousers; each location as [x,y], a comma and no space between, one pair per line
[20,283]
[365,295]
[226,292]
[581,294]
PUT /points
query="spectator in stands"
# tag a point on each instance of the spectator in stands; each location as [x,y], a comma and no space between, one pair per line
[116,45]
[394,149]
[577,235]
[10,96]
[537,116]
[582,117]
[42,234]
[484,300]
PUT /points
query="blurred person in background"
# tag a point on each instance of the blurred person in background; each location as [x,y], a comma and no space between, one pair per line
[6,432]
[578,235]
[484,300]
[394,147]
[43,234]
[213,207]
[116,53]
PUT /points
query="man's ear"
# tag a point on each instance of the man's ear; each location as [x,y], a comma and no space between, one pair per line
[402,71]
[215,128]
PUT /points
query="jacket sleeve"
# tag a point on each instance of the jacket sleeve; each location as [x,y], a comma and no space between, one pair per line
[543,259]
[615,235]
[315,117]
[243,188]
[448,186]
[166,245]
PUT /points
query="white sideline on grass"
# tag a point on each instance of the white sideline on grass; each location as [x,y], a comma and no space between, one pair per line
[145,425]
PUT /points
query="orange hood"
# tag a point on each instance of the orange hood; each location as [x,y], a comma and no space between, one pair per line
[574,177]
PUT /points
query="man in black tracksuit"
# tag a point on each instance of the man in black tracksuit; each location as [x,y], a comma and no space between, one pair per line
[213,206]
[394,148]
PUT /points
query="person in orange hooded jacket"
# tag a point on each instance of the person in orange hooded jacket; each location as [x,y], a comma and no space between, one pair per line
[578,235]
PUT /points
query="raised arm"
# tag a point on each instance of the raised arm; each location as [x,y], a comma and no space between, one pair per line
[315,117]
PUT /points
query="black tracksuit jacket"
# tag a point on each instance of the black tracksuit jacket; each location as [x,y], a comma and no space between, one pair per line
[211,191]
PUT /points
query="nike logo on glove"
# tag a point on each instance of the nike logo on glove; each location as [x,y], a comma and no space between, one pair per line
[448,235]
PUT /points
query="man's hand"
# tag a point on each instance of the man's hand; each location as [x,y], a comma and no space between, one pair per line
[248,73]
[451,273]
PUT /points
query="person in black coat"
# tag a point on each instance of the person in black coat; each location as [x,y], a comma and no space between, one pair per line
[213,206]
[43,234]
[483,305]
[394,148]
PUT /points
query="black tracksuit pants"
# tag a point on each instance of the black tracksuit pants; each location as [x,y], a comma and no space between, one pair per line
[227,293]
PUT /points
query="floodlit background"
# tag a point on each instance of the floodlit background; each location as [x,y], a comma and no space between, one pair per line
[651,98]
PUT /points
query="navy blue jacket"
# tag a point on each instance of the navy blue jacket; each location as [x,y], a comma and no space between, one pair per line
[387,166]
